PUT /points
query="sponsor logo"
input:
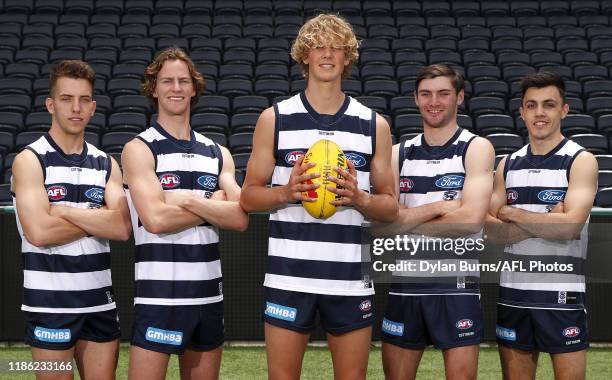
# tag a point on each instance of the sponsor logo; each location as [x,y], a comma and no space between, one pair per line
[57,192]
[292,157]
[450,182]
[365,306]
[562,297]
[357,159]
[392,328]
[406,184]
[505,334]
[208,181]
[511,196]
[571,332]
[95,194]
[449,195]
[174,338]
[52,335]
[551,196]
[280,312]
[169,180]
[464,324]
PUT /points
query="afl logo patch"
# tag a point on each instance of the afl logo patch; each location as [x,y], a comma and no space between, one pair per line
[356,159]
[365,306]
[207,182]
[57,192]
[292,157]
[450,182]
[169,181]
[511,196]
[464,324]
[95,194]
[551,196]
[571,332]
[406,184]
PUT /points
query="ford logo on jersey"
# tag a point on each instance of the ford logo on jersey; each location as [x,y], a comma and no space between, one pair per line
[571,332]
[169,180]
[511,196]
[450,182]
[292,157]
[551,196]
[174,338]
[207,181]
[52,335]
[357,159]
[406,184]
[464,324]
[95,194]
[57,192]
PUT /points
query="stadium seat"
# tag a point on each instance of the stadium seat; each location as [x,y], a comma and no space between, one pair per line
[25,138]
[240,161]
[219,138]
[113,142]
[210,122]
[132,122]
[407,124]
[271,87]
[486,105]
[400,105]
[602,199]
[7,143]
[376,103]
[131,103]
[604,161]
[15,103]
[211,103]
[38,121]
[577,124]
[594,143]
[15,86]
[490,124]
[505,143]
[235,87]
[604,178]
[243,122]
[249,104]
[241,142]
[599,106]
[236,71]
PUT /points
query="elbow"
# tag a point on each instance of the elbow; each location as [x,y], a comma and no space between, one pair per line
[241,223]
[244,204]
[124,234]
[154,225]
[38,239]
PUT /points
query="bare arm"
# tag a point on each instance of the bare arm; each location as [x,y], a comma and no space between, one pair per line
[156,215]
[39,226]
[382,205]
[111,222]
[256,196]
[577,204]
[225,214]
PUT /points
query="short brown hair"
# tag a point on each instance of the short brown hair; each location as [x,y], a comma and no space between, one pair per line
[541,80]
[439,70]
[72,68]
[325,30]
[171,54]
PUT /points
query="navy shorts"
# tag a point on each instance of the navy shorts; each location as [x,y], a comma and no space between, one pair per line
[546,330]
[297,311]
[54,331]
[446,321]
[172,329]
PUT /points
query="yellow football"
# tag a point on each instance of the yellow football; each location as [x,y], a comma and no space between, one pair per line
[326,155]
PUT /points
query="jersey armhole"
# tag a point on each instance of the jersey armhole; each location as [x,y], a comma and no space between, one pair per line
[277,124]
[40,161]
[150,148]
[464,153]
[374,130]
[569,166]
[109,162]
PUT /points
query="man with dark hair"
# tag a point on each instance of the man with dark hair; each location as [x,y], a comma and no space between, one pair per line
[70,202]
[540,207]
[181,188]
[443,178]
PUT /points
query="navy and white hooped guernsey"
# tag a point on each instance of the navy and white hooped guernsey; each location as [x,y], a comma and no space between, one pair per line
[429,174]
[74,277]
[182,268]
[536,184]
[315,255]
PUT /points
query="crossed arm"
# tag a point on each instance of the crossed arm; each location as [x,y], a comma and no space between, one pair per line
[50,225]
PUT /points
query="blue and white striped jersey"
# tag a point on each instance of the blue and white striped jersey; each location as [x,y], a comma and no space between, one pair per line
[536,183]
[314,255]
[429,174]
[182,268]
[74,277]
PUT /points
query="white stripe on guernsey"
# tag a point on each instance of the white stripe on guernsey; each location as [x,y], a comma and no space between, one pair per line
[543,247]
[534,307]
[151,134]
[93,151]
[291,106]
[296,213]
[318,286]
[434,294]
[422,168]
[70,310]
[176,162]
[415,200]
[42,146]
[177,301]
[570,148]
[203,139]
[281,175]
[306,137]
[65,174]
[315,250]
[177,271]
[357,109]
[438,270]
[545,178]
[532,207]
[66,281]
[538,281]
[203,235]
[89,245]
[464,136]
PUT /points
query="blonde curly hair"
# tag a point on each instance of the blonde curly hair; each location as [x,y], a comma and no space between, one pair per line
[325,30]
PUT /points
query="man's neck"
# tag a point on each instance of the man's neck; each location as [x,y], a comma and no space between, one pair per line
[69,144]
[439,136]
[544,146]
[176,125]
[325,97]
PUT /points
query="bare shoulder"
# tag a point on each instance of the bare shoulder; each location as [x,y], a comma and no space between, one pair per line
[25,160]
[267,117]
[381,122]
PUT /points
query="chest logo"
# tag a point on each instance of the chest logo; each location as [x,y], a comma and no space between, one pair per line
[357,159]
[95,194]
[450,182]
[406,184]
[169,180]
[207,182]
[57,192]
[511,196]
[292,157]
[551,196]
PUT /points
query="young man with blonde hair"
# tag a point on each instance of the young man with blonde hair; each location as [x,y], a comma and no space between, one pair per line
[181,188]
[314,265]
[69,202]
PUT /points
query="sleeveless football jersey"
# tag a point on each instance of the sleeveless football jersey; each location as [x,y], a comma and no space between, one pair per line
[181,268]
[73,277]
[537,183]
[315,255]
[429,174]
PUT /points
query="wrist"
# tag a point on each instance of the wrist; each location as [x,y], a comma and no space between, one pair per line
[362,200]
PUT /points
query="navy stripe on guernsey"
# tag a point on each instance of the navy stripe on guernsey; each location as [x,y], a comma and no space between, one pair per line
[537,183]
[314,255]
[430,174]
[181,268]
[74,277]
